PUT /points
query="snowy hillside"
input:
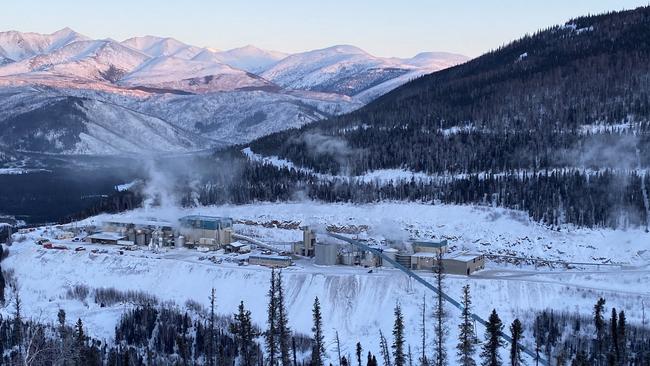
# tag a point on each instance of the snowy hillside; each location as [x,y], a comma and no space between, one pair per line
[91,122]
[355,303]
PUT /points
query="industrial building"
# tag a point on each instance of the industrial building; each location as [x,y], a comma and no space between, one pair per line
[307,247]
[464,264]
[208,231]
[142,232]
[237,247]
[273,261]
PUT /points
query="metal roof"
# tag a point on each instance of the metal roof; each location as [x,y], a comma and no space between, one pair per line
[107,236]
[139,222]
[465,257]
[206,222]
[204,218]
[271,257]
[430,244]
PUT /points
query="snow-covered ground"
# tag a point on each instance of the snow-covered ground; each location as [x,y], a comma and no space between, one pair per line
[356,303]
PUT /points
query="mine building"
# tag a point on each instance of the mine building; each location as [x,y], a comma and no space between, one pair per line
[306,247]
[142,232]
[208,231]
[237,247]
[464,264]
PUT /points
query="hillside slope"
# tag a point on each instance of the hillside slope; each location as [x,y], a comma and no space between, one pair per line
[514,126]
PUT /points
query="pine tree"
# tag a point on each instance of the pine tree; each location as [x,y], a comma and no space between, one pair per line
[516,332]
[318,349]
[466,336]
[210,352]
[599,323]
[369,360]
[358,352]
[80,344]
[441,327]
[284,332]
[622,337]
[493,341]
[243,330]
[398,337]
[613,323]
[272,331]
[61,318]
[344,361]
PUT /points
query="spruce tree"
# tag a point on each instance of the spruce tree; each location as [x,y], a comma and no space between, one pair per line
[284,332]
[599,323]
[517,334]
[61,318]
[80,344]
[318,349]
[493,341]
[466,336]
[243,330]
[613,323]
[622,337]
[272,331]
[398,337]
[358,352]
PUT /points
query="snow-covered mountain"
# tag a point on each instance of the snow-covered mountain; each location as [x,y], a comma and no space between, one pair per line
[250,58]
[16,46]
[105,60]
[350,70]
[66,93]
[158,46]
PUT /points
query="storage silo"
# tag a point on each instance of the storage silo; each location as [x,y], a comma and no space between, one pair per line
[326,254]
[390,253]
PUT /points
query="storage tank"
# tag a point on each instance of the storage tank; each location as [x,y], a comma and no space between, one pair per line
[326,254]
[390,253]
[179,242]
[140,238]
[347,259]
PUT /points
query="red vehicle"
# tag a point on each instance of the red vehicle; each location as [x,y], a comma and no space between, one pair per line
[48,245]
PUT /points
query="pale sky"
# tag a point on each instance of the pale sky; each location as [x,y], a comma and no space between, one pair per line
[383,28]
